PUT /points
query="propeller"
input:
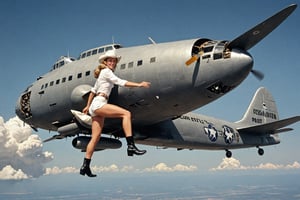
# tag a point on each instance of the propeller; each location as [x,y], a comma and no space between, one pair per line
[192,59]
[258,74]
[257,33]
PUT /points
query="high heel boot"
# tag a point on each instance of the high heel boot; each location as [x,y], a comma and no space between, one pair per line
[132,149]
[85,168]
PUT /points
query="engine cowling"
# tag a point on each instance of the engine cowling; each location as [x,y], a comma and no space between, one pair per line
[81,143]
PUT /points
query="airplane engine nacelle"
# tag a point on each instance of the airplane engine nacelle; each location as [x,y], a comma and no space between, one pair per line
[81,142]
[69,129]
[79,95]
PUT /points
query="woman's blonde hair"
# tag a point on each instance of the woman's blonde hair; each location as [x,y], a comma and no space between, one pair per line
[98,70]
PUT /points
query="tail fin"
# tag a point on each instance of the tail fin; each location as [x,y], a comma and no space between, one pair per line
[261,110]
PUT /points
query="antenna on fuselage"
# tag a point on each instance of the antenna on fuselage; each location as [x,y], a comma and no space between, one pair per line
[151,40]
[113,39]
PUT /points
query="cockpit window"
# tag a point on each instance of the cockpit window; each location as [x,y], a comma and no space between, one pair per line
[208,49]
[94,51]
[117,46]
[108,48]
[101,50]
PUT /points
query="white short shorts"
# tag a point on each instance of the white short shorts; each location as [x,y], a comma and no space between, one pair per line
[97,103]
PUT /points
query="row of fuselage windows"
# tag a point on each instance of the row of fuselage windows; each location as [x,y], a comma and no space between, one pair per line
[88,73]
[64,79]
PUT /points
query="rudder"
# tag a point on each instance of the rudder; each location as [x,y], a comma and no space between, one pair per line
[261,110]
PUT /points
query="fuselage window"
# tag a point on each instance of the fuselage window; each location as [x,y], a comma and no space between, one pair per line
[70,78]
[63,79]
[218,56]
[152,60]
[51,83]
[46,85]
[57,81]
[61,63]
[130,65]
[94,51]
[87,73]
[101,50]
[108,48]
[139,63]
[42,87]
[79,75]
[123,66]
[83,55]
[206,56]
[88,53]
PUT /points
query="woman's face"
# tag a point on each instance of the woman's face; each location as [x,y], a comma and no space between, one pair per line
[111,63]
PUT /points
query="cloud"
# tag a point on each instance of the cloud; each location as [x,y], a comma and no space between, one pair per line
[111,168]
[234,164]
[57,170]
[162,167]
[21,152]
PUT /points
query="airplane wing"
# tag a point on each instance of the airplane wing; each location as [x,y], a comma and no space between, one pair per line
[272,127]
[54,137]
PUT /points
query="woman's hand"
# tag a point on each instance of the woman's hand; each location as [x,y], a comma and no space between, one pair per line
[85,110]
[145,84]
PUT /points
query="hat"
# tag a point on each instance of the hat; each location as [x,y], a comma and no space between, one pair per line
[109,54]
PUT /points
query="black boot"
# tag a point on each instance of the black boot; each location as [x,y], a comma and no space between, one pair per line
[132,149]
[85,168]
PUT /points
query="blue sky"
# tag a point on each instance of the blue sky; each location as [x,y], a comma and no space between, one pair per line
[35,33]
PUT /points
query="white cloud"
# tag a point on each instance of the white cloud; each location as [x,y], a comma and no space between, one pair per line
[57,170]
[162,167]
[95,169]
[21,152]
[9,173]
[234,164]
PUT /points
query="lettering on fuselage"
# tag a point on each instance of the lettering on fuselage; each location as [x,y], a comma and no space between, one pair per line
[227,133]
[194,119]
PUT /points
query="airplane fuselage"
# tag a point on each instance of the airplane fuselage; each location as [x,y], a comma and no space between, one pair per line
[175,88]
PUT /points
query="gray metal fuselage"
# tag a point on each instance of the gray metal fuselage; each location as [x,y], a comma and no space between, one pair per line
[175,89]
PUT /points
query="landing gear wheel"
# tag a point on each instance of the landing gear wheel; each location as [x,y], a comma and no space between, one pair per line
[260,151]
[228,153]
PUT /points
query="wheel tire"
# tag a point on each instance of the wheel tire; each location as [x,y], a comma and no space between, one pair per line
[228,154]
[260,152]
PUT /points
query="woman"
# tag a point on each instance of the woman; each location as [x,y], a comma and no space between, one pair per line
[98,107]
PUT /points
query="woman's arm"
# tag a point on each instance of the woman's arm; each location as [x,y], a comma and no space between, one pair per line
[86,109]
[116,80]
[141,84]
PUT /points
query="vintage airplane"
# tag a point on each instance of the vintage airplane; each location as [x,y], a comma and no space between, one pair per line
[161,114]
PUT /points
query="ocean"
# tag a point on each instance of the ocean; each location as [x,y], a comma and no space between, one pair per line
[173,186]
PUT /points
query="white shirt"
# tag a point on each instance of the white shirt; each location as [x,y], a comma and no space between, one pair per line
[106,81]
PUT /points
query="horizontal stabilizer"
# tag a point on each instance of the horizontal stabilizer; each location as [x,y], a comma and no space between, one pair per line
[270,128]
[283,130]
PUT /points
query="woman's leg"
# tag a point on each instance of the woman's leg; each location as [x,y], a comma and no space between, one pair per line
[113,111]
[97,125]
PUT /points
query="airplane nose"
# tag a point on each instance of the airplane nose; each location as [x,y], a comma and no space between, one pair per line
[243,63]
[22,109]
[18,111]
